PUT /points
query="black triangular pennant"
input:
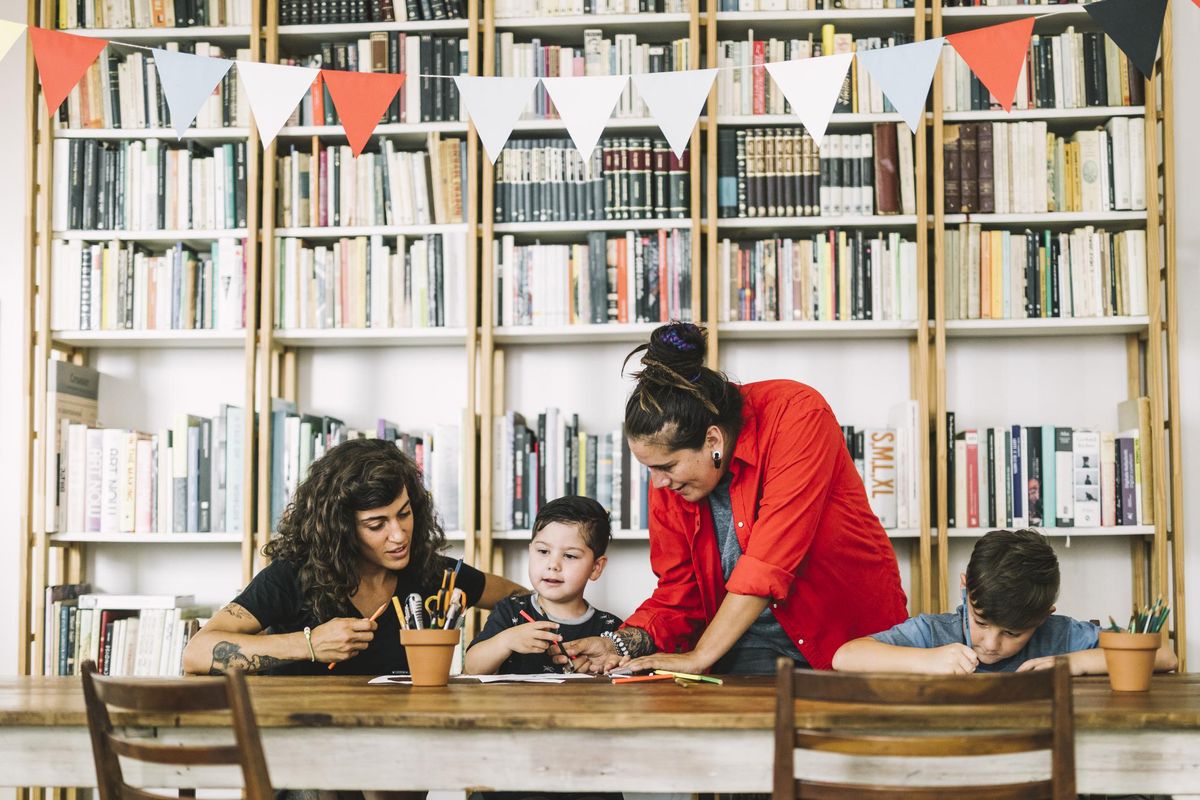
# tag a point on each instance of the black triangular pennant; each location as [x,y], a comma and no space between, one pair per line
[1134,25]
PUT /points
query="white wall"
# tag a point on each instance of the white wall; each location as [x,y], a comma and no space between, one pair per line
[746,363]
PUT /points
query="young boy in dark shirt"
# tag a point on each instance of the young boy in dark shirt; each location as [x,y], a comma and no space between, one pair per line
[570,537]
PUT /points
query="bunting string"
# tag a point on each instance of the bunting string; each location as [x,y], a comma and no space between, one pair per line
[994,53]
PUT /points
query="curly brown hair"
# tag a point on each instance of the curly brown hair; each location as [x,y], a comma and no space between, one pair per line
[319,533]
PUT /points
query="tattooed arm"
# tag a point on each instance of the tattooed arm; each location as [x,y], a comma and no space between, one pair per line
[233,639]
[597,654]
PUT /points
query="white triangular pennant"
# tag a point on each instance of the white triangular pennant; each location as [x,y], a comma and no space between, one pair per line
[494,105]
[187,82]
[273,91]
[904,73]
[811,85]
[9,33]
[675,100]
[585,104]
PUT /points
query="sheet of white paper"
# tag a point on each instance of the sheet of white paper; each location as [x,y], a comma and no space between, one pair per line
[544,677]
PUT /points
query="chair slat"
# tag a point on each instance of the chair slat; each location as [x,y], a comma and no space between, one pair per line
[135,793]
[164,696]
[815,790]
[158,753]
[965,744]
[888,689]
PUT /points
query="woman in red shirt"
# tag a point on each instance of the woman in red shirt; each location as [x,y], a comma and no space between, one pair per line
[761,535]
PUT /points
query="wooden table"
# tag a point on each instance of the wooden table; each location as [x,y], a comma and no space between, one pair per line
[337,732]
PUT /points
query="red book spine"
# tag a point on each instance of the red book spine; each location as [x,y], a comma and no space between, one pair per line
[760,79]
[664,289]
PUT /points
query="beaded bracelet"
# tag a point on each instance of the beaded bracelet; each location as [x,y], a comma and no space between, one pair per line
[312,654]
[622,648]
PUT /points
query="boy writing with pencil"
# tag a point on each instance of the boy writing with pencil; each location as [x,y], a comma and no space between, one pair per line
[1005,624]
[523,633]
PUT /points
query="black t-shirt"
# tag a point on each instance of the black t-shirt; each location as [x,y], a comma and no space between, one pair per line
[507,614]
[275,600]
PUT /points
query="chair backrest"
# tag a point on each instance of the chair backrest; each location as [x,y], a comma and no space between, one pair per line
[875,694]
[158,697]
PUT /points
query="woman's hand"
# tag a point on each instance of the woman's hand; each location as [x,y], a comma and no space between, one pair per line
[342,638]
[532,637]
[690,662]
[593,654]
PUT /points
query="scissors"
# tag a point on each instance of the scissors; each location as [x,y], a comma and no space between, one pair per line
[435,607]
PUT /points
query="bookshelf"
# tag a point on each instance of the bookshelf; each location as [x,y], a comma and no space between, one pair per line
[489,368]
[124,356]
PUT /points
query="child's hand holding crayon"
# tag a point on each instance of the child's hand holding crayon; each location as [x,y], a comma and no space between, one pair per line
[950,659]
[532,637]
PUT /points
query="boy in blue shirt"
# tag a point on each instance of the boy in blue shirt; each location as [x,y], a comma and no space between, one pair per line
[570,537]
[1005,624]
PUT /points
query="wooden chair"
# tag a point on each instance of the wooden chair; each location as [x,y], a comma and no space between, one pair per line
[157,697]
[887,694]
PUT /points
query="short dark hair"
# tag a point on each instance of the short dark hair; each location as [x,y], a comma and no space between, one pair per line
[1012,578]
[677,398]
[585,512]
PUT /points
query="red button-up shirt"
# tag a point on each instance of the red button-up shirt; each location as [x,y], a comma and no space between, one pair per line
[809,539]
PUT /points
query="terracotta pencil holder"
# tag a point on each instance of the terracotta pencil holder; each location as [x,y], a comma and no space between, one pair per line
[1130,659]
[430,652]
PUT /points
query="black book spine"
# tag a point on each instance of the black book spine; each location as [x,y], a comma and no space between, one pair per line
[426,82]
[950,499]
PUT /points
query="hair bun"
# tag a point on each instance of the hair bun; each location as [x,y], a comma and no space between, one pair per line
[680,346]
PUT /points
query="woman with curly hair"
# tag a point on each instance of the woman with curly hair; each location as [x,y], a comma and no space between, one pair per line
[360,530]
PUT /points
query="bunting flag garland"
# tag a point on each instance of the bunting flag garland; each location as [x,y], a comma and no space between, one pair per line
[9,33]
[904,74]
[996,54]
[273,91]
[1135,26]
[811,85]
[585,104]
[494,105]
[675,100]
[361,99]
[62,58]
[187,82]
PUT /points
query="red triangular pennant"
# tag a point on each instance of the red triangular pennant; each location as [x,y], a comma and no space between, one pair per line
[62,58]
[360,99]
[995,54]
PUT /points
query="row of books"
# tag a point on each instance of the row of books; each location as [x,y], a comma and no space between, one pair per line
[1020,167]
[610,279]
[1070,70]
[153,13]
[118,286]
[809,5]
[887,459]
[1052,477]
[1086,272]
[508,9]
[186,478]
[781,172]
[122,90]
[330,187]
[299,439]
[148,185]
[833,275]
[365,282]
[420,99]
[621,54]
[745,90]
[340,12]
[130,635]
[554,456]
[545,180]
[994,3]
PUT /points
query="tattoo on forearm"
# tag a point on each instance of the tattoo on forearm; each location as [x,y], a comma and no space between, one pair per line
[236,611]
[637,641]
[227,656]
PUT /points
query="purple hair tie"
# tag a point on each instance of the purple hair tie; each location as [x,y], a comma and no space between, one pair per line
[676,341]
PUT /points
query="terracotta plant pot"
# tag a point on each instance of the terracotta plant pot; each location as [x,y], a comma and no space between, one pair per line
[1130,659]
[430,652]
